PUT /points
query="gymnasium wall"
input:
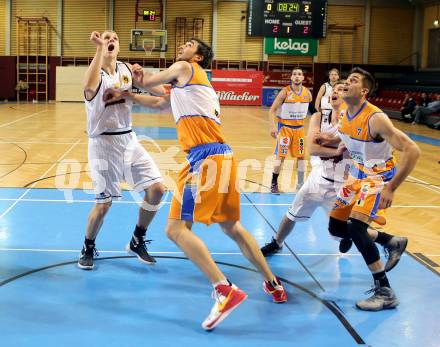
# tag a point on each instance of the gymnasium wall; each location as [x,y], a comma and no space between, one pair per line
[430,14]
[80,18]
[3,27]
[190,9]
[343,46]
[235,45]
[391,35]
[391,29]
[32,8]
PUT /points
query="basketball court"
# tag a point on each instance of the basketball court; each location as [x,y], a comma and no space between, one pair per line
[46,195]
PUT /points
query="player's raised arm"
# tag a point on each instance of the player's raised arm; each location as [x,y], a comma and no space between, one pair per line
[159,102]
[381,126]
[92,76]
[138,74]
[179,72]
[319,97]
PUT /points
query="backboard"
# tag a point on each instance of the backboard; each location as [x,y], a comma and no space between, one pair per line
[155,37]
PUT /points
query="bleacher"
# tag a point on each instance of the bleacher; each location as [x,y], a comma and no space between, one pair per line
[392,96]
[393,99]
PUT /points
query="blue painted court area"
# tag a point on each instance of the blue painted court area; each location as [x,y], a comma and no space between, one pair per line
[156,133]
[424,139]
[47,301]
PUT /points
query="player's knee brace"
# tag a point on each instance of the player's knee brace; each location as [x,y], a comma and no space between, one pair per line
[338,228]
[359,234]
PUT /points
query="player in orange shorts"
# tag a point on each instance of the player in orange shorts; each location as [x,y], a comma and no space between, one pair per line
[369,136]
[207,186]
[287,126]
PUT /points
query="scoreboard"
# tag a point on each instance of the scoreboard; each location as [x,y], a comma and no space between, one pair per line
[284,18]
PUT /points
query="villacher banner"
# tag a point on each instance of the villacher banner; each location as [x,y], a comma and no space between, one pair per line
[238,87]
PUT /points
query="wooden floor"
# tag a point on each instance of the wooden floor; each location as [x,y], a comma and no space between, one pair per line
[40,143]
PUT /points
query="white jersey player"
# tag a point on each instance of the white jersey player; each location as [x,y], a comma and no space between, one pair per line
[322,102]
[330,165]
[114,153]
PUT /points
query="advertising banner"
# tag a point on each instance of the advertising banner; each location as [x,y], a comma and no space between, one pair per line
[238,87]
[290,46]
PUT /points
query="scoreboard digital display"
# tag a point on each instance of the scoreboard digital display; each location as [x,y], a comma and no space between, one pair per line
[295,18]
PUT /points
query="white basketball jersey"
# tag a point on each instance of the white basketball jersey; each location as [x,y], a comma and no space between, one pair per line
[103,117]
[330,169]
[325,100]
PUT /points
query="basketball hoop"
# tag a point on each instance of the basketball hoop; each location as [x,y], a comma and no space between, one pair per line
[148,45]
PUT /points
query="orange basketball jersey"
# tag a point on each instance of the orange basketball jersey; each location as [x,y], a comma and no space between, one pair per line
[295,106]
[370,156]
[196,110]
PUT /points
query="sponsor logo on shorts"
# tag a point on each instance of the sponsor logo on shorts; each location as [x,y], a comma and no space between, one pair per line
[301,145]
[284,141]
[339,203]
[363,195]
[345,192]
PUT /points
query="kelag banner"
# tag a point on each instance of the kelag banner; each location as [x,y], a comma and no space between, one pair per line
[238,87]
[290,46]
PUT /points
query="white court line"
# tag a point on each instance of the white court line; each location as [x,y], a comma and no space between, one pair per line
[22,118]
[168,202]
[213,253]
[426,185]
[43,175]
[85,143]
[43,143]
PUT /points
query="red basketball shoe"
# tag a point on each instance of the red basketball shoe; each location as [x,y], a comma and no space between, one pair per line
[278,293]
[227,298]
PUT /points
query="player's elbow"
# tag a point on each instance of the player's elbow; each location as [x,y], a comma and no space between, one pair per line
[412,149]
[416,151]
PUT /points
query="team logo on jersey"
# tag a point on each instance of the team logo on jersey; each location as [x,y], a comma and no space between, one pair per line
[301,145]
[125,79]
[363,195]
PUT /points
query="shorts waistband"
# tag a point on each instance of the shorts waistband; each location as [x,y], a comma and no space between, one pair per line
[206,146]
[117,132]
[328,179]
[280,125]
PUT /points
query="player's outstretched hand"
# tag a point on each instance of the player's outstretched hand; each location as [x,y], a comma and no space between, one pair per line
[112,94]
[138,73]
[95,37]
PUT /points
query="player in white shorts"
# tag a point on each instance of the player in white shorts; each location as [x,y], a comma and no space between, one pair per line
[114,153]
[329,169]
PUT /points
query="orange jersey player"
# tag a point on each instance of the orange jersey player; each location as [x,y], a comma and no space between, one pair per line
[369,136]
[207,186]
[287,116]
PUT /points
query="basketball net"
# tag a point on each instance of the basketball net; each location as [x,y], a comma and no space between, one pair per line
[148,46]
